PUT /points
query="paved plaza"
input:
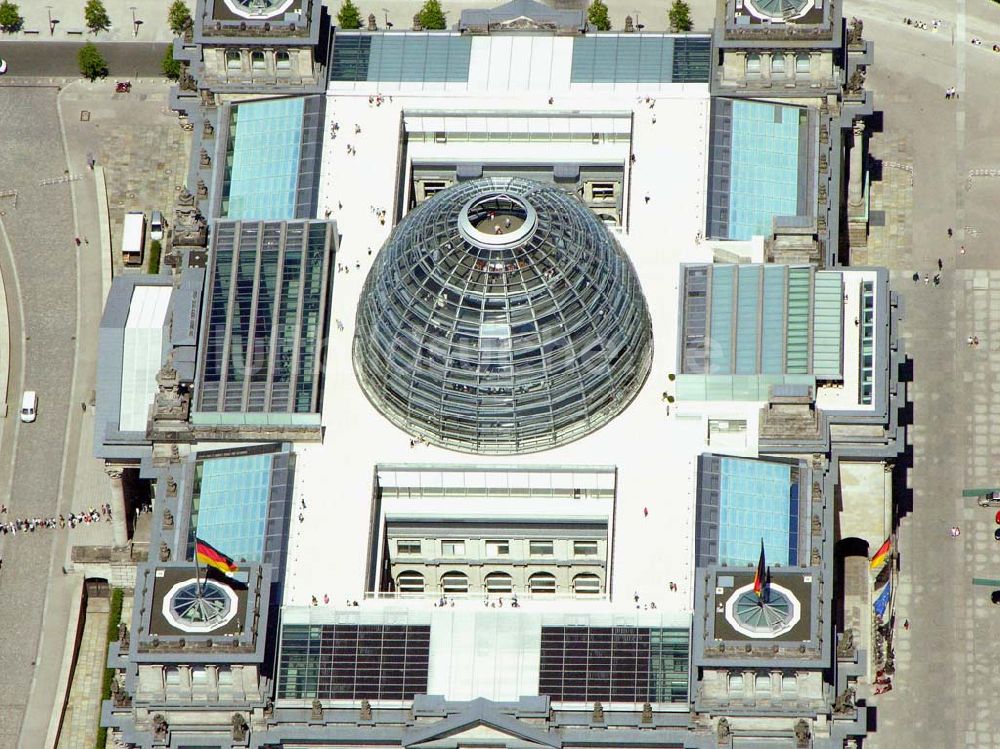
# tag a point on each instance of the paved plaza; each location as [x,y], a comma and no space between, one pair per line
[40,234]
[140,144]
[79,727]
[152,27]
[935,158]
[946,685]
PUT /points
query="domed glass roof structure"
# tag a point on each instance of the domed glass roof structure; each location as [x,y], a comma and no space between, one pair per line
[501,317]
[780,9]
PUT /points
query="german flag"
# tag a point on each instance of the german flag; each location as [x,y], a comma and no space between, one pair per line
[759,577]
[212,557]
[881,555]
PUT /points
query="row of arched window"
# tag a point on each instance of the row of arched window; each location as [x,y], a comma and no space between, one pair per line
[802,62]
[411,581]
[234,60]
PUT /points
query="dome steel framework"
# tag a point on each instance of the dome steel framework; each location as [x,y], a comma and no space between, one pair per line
[780,9]
[763,617]
[501,317]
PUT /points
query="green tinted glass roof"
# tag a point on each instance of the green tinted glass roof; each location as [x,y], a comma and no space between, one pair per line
[640,58]
[400,57]
[747,327]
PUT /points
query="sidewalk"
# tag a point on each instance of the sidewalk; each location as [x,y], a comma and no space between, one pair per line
[83,709]
[68,24]
[152,15]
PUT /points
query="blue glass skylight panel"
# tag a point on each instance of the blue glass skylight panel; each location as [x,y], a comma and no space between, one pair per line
[756,502]
[263,160]
[747,319]
[721,330]
[230,504]
[764,168]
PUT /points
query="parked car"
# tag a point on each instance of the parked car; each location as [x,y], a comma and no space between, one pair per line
[3,66]
[995,596]
[156,226]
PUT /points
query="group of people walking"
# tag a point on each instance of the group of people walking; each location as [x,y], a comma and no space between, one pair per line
[30,525]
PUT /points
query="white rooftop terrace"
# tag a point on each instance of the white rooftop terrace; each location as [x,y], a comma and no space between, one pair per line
[142,354]
[655,453]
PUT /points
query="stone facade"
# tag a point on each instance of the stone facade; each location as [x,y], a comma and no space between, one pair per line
[258,65]
[503,563]
[764,68]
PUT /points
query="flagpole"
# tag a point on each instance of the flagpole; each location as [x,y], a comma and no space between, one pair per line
[197,569]
[759,578]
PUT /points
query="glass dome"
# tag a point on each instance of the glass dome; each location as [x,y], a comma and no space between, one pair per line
[259,8]
[779,10]
[501,317]
[199,606]
[764,617]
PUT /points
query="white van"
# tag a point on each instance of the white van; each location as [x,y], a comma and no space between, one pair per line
[29,406]
[156,226]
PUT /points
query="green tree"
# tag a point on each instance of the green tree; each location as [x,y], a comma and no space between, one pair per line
[432,16]
[178,17]
[155,248]
[171,67]
[597,15]
[95,15]
[349,17]
[92,62]
[10,17]
[679,16]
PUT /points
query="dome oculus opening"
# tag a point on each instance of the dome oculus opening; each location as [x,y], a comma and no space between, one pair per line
[496,221]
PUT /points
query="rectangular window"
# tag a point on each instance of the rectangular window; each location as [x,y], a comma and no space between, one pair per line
[614,664]
[497,548]
[603,190]
[585,548]
[540,548]
[408,547]
[453,548]
[353,662]
[801,63]
[433,186]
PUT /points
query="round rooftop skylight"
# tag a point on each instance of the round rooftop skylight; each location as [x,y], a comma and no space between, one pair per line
[779,10]
[501,317]
[193,608]
[258,9]
[767,617]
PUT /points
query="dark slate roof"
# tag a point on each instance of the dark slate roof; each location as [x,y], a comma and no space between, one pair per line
[539,13]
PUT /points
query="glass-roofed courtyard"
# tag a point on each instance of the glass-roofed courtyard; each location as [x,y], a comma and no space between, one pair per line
[273,159]
[240,503]
[742,501]
[758,167]
[264,322]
